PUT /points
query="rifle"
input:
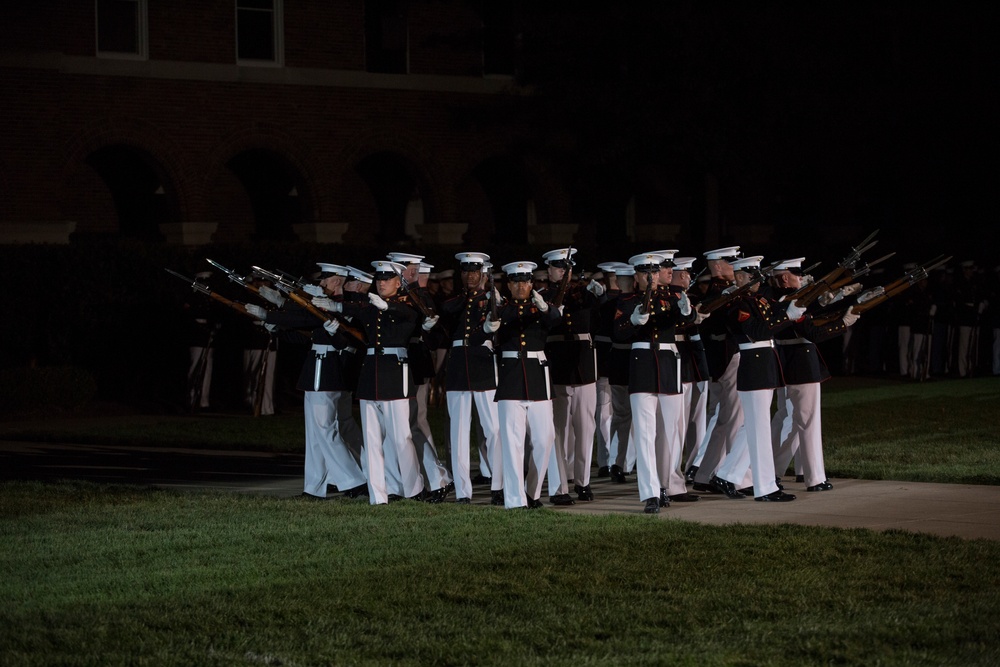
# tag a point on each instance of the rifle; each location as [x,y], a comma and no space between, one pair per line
[494,306]
[760,276]
[859,272]
[292,286]
[880,295]
[243,281]
[415,298]
[198,287]
[564,283]
[259,388]
[647,296]
[806,295]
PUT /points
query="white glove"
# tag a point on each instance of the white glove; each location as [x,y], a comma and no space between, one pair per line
[326,303]
[272,295]
[256,311]
[700,317]
[982,307]
[933,310]
[684,303]
[377,301]
[795,312]
[489,326]
[331,326]
[539,301]
[430,322]
[638,318]
[850,317]
[561,309]
[271,328]
[595,288]
[314,290]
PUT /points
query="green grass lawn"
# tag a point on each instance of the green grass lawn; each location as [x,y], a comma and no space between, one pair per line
[97,575]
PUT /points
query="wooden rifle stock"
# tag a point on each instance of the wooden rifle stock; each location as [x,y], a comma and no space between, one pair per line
[494,314]
[313,310]
[647,296]
[563,286]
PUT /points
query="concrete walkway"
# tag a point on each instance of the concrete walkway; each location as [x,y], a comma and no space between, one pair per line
[959,510]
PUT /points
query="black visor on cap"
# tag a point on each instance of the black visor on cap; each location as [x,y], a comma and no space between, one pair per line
[561,263]
[667,264]
[385,275]
[519,277]
[323,275]
[471,266]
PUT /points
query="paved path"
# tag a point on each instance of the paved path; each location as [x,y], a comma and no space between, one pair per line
[967,511]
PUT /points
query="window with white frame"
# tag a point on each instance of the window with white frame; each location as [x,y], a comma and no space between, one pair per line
[121,28]
[259,31]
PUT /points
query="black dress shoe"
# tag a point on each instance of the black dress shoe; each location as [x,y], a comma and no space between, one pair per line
[583,492]
[604,471]
[684,498]
[747,491]
[449,487]
[496,498]
[479,479]
[707,488]
[535,504]
[652,506]
[781,487]
[617,475]
[331,488]
[728,488]
[394,497]
[463,501]
[309,496]
[562,499]
[822,486]
[664,501]
[800,478]
[420,497]
[357,492]
[438,495]
[689,475]
[777,497]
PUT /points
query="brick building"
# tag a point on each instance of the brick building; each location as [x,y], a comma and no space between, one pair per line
[331,121]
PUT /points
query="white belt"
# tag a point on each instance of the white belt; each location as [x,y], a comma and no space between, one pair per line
[792,341]
[202,320]
[679,338]
[760,343]
[398,351]
[654,346]
[460,343]
[567,337]
[694,337]
[717,337]
[514,354]
[327,349]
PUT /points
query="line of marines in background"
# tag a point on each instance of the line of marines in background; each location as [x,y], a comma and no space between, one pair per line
[670,370]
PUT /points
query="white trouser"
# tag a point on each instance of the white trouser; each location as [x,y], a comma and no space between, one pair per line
[519,419]
[965,352]
[905,353]
[656,431]
[696,406]
[622,445]
[252,359]
[347,425]
[388,422]
[328,456]
[920,357]
[603,419]
[206,382]
[460,413]
[723,399]
[757,452]
[781,432]
[804,438]
[435,474]
[573,408]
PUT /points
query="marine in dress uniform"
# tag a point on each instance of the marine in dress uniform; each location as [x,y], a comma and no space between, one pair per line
[654,381]
[421,362]
[753,320]
[796,427]
[471,378]
[694,370]
[385,383]
[202,327]
[524,388]
[622,449]
[573,367]
[724,413]
[328,376]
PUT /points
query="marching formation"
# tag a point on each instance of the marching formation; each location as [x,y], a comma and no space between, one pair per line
[663,369]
